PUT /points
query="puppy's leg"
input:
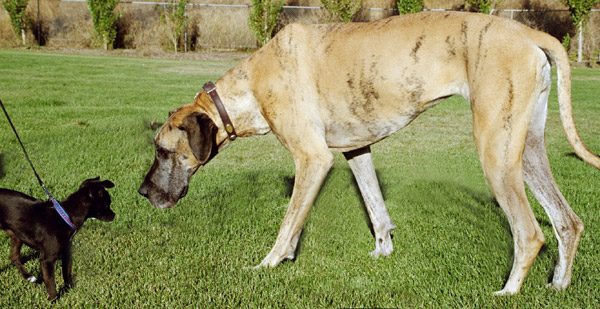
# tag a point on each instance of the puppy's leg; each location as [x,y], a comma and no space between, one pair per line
[361,165]
[47,266]
[15,257]
[67,267]
[538,176]
[500,129]
[312,165]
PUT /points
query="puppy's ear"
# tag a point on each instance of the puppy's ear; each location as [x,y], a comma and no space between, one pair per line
[90,180]
[202,133]
[107,184]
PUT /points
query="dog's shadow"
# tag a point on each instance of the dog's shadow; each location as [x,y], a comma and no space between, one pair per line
[24,259]
[2,166]
[438,192]
[34,255]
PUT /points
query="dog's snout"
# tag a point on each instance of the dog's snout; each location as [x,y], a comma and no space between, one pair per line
[184,192]
[143,190]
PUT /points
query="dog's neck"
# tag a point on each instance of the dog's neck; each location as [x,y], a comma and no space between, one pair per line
[74,208]
[233,89]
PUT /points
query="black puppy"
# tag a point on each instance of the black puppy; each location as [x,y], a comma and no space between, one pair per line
[35,223]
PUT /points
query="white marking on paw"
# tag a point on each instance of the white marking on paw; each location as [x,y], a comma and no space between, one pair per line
[32,279]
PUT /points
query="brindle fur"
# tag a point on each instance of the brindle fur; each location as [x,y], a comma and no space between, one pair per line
[338,87]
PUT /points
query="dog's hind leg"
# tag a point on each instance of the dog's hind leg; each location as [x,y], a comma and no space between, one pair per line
[538,176]
[361,165]
[500,129]
[15,257]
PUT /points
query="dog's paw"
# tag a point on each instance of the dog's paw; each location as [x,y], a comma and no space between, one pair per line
[379,253]
[267,263]
[383,246]
[505,292]
[32,279]
[272,260]
[558,286]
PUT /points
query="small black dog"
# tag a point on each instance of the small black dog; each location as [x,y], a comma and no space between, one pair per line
[35,223]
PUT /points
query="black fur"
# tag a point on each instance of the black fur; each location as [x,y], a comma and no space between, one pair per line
[35,223]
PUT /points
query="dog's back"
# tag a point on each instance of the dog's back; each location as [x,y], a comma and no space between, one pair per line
[13,204]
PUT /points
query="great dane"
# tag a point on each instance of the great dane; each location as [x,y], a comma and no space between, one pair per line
[343,87]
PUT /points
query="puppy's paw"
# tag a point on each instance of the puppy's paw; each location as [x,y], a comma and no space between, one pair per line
[32,279]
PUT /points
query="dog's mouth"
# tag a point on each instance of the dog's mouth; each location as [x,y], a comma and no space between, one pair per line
[107,217]
[160,199]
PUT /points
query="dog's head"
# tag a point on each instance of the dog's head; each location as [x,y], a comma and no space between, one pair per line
[184,143]
[95,194]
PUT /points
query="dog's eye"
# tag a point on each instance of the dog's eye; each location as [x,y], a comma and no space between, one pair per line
[161,152]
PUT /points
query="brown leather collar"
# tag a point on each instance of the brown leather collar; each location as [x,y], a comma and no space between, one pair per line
[211,89]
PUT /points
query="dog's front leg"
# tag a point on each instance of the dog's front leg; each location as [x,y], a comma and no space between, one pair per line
[67,268]
[310,173]
[362,167]
[47,266]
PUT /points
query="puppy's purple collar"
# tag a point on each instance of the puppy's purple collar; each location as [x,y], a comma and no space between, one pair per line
[61,211]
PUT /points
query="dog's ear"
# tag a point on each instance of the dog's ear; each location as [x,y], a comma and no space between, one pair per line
[107,184]
[87,181]
[202,133]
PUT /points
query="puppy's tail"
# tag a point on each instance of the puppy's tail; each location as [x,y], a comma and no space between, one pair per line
[556,52]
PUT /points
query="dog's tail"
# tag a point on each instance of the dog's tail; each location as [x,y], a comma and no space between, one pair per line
[557,53]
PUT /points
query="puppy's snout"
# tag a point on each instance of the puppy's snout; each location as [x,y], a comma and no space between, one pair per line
[111,216]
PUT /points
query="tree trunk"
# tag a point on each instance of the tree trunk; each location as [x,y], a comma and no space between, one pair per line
[580,42]
[105,42]
[23,37]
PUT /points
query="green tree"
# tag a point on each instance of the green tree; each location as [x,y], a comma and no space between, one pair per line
[174,18]
[580,10]
[16,11]
[342,10]
[482,6]
[409,6]
[104,19]
[264,15]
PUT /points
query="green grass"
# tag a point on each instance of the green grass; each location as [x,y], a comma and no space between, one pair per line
[84,116]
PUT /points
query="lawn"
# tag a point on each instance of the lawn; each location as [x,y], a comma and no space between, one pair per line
[85,116]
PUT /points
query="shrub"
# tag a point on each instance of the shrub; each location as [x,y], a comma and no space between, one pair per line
[16,11]
[174,18]
[104,19]
[264,15]
[580,10]
[409,6]
[566,42]
[482,6]
[342,10]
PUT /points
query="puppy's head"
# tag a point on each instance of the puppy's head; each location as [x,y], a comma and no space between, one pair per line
[98,199]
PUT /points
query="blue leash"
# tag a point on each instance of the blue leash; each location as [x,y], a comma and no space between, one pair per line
[61,211]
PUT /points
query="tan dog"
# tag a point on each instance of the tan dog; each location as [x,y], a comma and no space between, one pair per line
[344,87]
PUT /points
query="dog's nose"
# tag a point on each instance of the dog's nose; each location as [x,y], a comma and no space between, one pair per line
[143,191]
[184,192]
